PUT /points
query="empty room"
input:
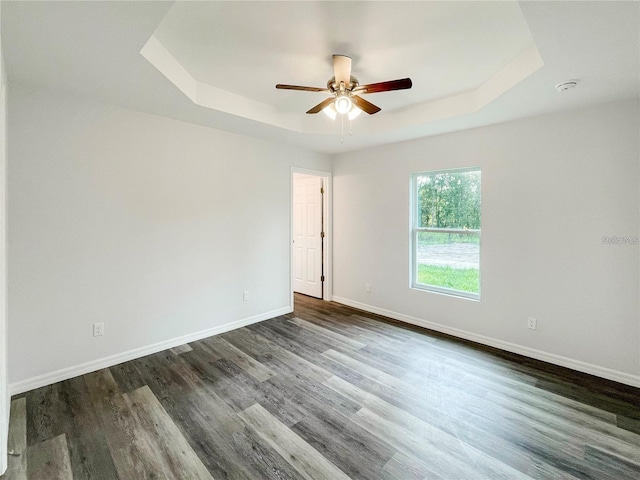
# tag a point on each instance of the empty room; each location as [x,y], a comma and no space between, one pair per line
[321,240]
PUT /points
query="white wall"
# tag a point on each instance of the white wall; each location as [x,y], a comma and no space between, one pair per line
[155,227]
[152,226]
[4,391]
[552,187]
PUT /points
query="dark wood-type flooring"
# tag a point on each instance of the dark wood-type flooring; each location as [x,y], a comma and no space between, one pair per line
[328,392]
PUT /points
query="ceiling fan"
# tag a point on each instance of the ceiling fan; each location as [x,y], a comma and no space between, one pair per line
[345,91]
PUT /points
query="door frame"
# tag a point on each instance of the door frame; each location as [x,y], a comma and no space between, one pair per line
[5,399]
[327,288]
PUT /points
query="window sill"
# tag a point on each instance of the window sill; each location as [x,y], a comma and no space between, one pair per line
[447,291]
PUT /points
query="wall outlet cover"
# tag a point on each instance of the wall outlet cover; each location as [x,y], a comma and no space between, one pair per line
[98,329]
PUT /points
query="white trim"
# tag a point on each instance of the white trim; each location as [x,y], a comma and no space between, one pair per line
[580,366]
[327,291]
[5,401]
[92,366]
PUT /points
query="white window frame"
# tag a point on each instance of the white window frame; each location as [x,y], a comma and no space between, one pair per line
[414,222]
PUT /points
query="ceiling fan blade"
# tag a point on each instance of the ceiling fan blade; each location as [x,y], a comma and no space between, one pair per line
[342,69]
[400,84]
[364,105]
[298,87]
[321,105]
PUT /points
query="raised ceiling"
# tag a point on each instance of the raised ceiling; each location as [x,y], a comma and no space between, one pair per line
[231,47]
[216,63]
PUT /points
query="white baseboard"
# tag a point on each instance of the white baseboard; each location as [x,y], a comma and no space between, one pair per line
[617,376]
[92,366]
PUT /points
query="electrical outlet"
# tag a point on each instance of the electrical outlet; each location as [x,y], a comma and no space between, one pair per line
[245,296]
[367,287]
[98,329]
[532,323]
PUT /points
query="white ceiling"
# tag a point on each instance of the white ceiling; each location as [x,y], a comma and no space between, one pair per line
[216,63]
[231,46]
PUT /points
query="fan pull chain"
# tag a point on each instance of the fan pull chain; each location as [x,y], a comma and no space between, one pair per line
[350,130]
[342,129]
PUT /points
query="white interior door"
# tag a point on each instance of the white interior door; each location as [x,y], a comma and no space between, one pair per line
[307,239]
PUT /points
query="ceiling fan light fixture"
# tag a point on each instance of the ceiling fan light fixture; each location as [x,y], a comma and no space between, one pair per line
[330,111]
[354,112]
[345,93]
[343,103]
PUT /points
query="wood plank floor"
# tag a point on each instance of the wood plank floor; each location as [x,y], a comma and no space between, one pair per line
[328,392]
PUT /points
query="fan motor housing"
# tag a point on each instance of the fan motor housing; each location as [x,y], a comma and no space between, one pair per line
[334,87]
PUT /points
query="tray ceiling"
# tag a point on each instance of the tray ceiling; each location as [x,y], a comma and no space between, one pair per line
[216,63]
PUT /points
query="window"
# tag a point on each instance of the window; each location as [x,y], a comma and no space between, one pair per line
[445,233]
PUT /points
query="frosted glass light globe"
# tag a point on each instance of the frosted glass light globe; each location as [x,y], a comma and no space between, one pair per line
[343,103]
